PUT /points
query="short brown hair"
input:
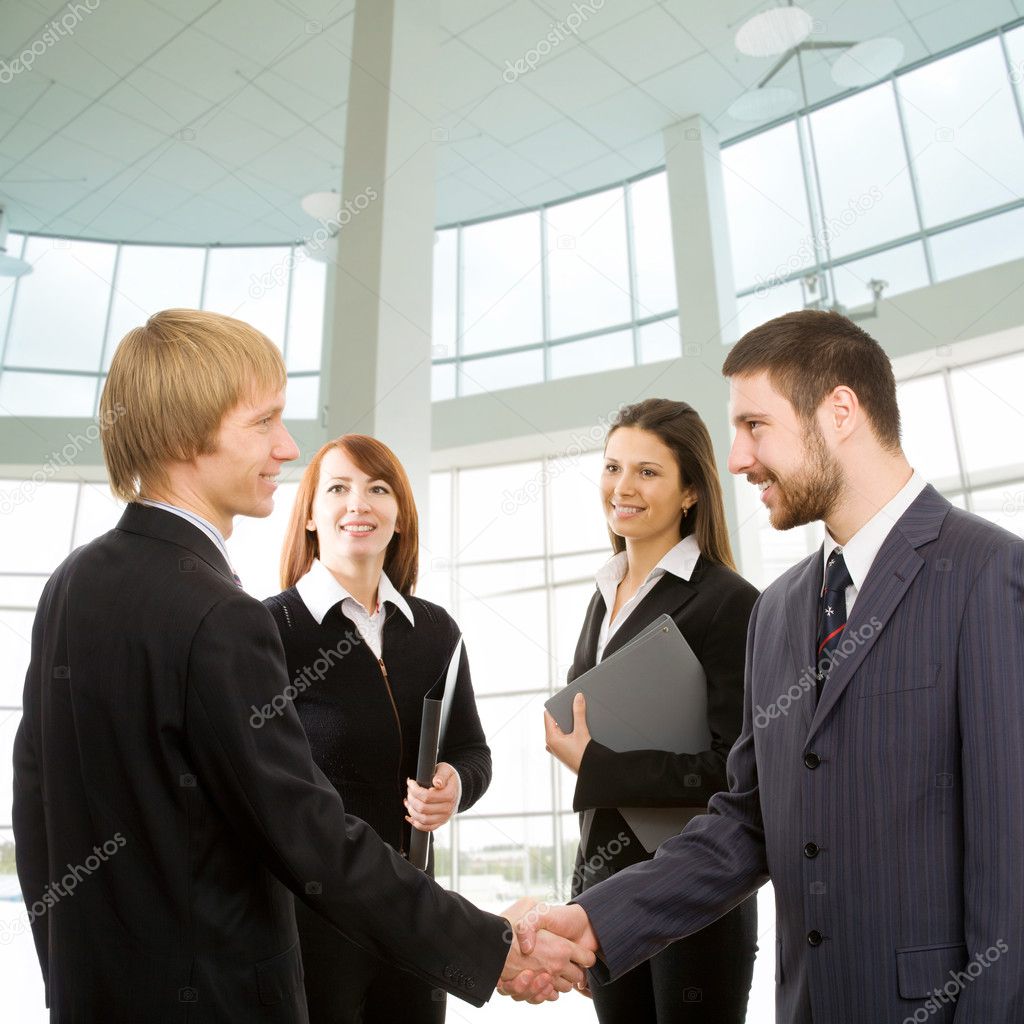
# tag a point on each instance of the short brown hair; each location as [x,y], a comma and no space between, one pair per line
[379,462]
[169,386]
[679,427]
[808,353]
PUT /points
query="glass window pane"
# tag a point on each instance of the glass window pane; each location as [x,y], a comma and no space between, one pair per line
[605,352]
[570,606]
[660,340]
[21,591]
[577,513]
[514,727]
[501,859]
[501,274]
[38,519]
[928,429]
[98,512]
[151,278]
[9,722]
[439,532]
[306,314]
[501,514]
[1015,48]
[513,370]
[303,398]
[497,578]
[865,187]
[653,258]
[588,267]
[1003,506]
[250,285]
[65,334]
[977,246]
[446,244]
[765,304]
[255,544]
[963,128]
[442,382]
[46,394]
[493,627]
[769,230]
[989,412]
[903,268]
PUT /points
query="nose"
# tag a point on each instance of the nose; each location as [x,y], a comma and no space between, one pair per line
[741,456]
[357,501]
[286,449]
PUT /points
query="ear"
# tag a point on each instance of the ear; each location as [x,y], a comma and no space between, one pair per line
[310,526]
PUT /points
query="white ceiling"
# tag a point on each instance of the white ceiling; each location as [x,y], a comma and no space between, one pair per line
[208,120]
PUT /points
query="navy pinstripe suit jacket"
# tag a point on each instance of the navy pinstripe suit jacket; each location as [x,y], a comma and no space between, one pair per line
[889,816]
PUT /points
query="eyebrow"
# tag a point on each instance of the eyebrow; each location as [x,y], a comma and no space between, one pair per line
[271,411]
[348,479]
[742,417]
[611,458]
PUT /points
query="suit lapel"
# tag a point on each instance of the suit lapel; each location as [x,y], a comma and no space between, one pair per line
[801,614]
[666,597]
[890,576]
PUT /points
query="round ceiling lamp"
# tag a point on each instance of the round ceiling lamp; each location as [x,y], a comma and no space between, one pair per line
[322,205]
[867,62]
[774,31]
[763,104]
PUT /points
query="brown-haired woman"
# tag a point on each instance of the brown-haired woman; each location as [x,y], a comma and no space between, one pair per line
[663,503]
[362,653]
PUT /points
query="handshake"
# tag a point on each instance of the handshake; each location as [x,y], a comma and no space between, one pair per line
[551,949]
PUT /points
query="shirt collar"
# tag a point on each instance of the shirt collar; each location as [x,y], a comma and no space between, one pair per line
[679,560]
[860,550]
[320,592]
[197,521]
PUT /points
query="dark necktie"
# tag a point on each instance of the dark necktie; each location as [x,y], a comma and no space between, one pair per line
[831,614]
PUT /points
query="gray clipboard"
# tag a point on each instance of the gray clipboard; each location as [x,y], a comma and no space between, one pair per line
[651,694]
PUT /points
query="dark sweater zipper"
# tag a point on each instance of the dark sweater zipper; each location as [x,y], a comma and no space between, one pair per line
[398,722]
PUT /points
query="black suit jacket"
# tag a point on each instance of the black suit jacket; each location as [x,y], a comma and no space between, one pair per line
[712,610]
[178,827]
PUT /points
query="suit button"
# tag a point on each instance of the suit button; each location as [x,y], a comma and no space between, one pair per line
[814,938]
[812,760]
[811,850]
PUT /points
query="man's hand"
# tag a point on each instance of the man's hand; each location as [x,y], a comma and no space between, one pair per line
[568,747]
[553,964]
[429,809]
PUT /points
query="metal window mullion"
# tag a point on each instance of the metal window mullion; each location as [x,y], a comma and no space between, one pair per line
[634,301]
[1014,86]
[459,315]
[10,312]
[206,271]
[545,293]
[914,185]
[965,476]
[288,307]
[105,344]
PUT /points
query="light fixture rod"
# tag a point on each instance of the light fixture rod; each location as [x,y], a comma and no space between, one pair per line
[790,54]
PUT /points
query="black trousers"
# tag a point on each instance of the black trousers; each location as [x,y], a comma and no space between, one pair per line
[702,979]
[347,985]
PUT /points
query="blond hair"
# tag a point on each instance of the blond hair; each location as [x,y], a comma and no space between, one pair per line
[169,386]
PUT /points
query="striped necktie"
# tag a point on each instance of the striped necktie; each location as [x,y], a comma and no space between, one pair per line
[831,614]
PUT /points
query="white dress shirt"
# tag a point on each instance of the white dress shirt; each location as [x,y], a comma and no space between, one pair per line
[860,550]
[679,560]
[320,592]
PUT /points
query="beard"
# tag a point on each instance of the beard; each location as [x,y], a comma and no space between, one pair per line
[811,493]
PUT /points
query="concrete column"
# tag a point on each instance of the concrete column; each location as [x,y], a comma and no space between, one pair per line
[376,377]
[707,296]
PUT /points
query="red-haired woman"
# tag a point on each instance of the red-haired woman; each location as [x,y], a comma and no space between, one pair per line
[362,652]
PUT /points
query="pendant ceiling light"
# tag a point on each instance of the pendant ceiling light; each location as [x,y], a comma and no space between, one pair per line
[867,62]
[322,205]
[774,31]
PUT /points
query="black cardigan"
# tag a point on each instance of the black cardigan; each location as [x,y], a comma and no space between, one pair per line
[364,744]
[712,610]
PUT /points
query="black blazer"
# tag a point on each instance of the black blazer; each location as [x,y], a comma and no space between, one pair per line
[137,769]
[711,609]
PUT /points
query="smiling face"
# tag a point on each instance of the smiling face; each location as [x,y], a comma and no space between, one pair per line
[641,488]
[354,516]
[239,477]
[801,480]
